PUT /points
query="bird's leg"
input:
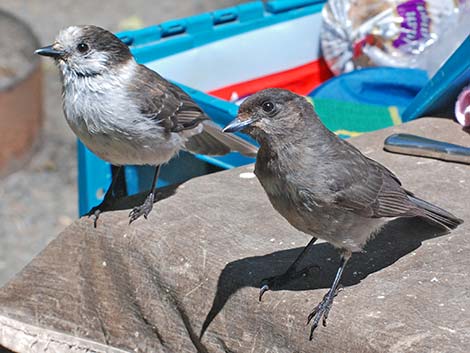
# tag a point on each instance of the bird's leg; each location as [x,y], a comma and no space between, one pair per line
[323,309]
[109,197]
[291,273]
[146,207]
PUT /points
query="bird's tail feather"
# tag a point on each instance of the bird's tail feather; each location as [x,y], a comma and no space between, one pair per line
[212,141]
[436,214]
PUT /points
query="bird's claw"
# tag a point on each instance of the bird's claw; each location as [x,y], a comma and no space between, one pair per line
[142,210]
[264,288]
[321,311]
[271,283]
[280,280]
[95,212]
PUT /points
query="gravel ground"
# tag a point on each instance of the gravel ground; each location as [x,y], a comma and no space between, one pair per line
[40,200]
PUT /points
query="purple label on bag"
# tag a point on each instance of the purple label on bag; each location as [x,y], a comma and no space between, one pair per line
[415,26]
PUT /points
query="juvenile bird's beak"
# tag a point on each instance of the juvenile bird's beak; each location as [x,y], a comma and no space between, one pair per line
[49,51]
[237,124]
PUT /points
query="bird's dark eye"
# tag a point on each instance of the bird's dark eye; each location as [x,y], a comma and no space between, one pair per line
[268,107]
[82,47]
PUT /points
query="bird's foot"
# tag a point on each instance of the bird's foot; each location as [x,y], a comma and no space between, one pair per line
[322,310]
[280,280]
[99,209]
[95,212]
[142,210]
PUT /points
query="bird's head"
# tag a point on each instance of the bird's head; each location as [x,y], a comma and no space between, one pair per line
[86,51]
[271,112]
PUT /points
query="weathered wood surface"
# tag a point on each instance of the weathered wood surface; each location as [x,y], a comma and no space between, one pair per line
[198,260]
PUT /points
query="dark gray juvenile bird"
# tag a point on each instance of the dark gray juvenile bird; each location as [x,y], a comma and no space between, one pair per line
[321,184]
[126,113]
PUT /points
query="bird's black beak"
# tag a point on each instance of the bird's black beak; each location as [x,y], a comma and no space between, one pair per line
[238,125]
[49,51]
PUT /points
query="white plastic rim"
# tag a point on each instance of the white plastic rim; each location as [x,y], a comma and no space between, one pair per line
[246,56]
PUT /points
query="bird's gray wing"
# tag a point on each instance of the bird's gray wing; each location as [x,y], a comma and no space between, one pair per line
[174,110]
[165,103]
[367,188]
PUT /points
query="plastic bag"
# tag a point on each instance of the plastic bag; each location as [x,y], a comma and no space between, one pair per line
[363,33]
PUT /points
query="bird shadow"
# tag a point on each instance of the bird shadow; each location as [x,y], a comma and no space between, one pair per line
[128,202]
[397,239]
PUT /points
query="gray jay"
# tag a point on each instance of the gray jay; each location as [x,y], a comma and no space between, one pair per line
[126,113]
[321,184]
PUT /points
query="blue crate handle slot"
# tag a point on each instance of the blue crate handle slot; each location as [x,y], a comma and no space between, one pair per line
[172,28]
[224,16]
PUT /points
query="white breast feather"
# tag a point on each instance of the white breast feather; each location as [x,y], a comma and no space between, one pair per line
[100,112]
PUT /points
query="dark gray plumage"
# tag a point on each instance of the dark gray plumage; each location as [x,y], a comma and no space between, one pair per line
[321,184]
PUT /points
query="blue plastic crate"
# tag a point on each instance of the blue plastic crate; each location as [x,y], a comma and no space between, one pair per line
[161,46]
